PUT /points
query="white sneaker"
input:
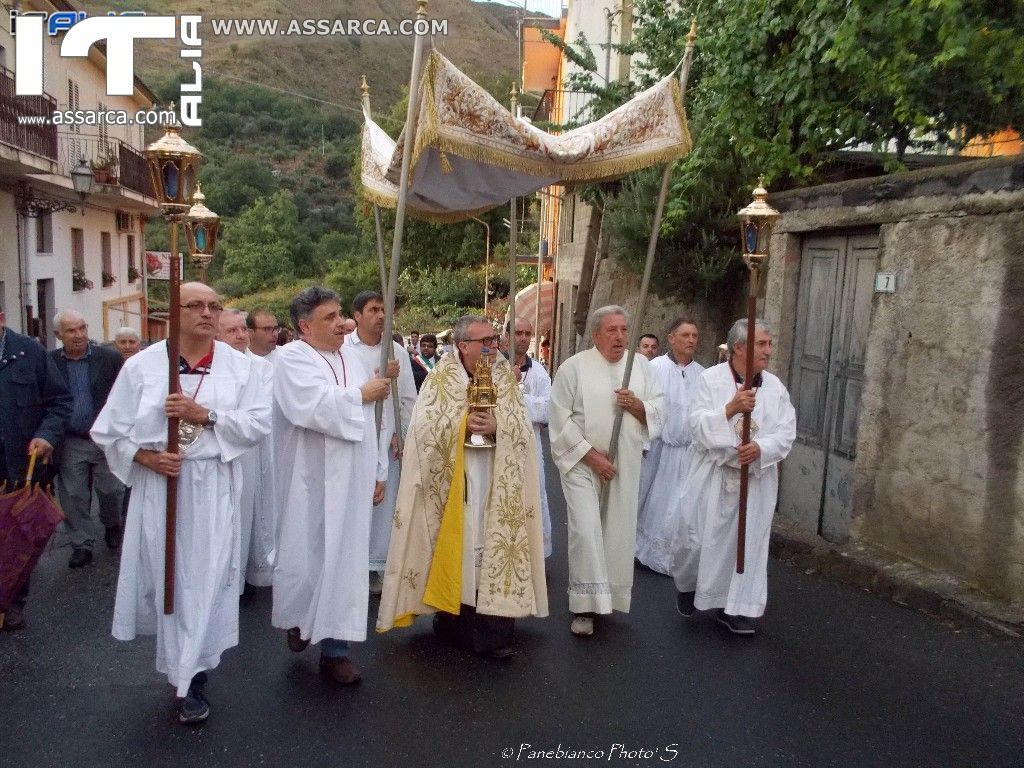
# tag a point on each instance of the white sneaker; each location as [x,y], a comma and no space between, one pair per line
[582,626]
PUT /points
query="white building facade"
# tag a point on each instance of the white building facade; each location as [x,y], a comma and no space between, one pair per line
[90,259]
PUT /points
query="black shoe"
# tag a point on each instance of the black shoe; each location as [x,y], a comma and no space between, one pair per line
[12,620]
[113,536]
[79,557]
[684,603]
[194,708]
[738,625]
[502,654]
[295,642]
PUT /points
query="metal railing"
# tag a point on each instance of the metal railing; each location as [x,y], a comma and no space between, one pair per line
[558,107]
[38,139]
[115,162]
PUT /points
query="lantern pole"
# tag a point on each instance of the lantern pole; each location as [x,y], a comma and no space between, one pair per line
[173,385]
[645,282]
[172,165]
[756,222]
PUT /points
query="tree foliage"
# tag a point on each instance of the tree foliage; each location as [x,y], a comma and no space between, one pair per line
[264,247]
[778,86]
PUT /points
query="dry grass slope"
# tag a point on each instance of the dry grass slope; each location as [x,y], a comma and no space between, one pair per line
[481,40]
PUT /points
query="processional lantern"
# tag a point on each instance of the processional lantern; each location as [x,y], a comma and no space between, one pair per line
[757,220]
[173,168]
[201,227]
[756,223]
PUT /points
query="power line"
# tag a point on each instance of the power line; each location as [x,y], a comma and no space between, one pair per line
[358,110]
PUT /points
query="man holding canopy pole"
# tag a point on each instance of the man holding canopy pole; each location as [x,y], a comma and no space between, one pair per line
[585,395]
[365,343]
[328,467]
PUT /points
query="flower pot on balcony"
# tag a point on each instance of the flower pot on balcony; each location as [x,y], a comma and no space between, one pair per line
[102,175]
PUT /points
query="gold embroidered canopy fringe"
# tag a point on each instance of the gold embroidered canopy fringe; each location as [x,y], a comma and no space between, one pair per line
[471,154]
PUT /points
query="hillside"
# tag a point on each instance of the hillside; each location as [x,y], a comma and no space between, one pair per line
[481,40]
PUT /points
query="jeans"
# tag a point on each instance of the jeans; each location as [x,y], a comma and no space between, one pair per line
[334,649]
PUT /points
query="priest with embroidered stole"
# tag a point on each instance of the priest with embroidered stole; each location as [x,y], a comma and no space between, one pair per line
[328,466]
[586,393]
[467,543]
[224,410]
[704,548]
[669,455]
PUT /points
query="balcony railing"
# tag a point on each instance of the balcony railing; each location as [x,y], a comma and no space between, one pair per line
[122,165]
[573,107]
[38,139]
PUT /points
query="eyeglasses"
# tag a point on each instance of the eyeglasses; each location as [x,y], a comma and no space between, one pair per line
[487,340]
[199,306]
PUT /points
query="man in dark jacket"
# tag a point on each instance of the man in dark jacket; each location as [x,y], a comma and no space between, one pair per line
[34,410]
[89,370]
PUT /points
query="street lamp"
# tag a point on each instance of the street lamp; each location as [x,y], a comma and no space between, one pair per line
[82,178]
[756,223]
[173,166]
[201,227]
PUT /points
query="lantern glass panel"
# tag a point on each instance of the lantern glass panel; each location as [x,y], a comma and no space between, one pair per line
[750,236]
[170,180]
[201,238]
[188,182]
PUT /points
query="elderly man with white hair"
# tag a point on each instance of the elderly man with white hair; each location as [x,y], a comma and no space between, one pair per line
[89,370]
[259,520]
[127,341]
[704,561]
[586,395]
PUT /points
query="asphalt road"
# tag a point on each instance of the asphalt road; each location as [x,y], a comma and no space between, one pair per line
[835,677]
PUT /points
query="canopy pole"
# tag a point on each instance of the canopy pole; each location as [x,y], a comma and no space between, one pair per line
[411,114]
[512,244]
[645,282]
[382,267]
[540,276]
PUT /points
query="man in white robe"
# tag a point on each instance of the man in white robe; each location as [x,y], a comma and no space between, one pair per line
[259,523]
[466,540]
[704,560]
[669,456]
[326,462]
[368,311]
[585,394]
[262,328]
[225,407]
[535,387]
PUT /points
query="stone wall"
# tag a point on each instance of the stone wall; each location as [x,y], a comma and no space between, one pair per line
[939,476]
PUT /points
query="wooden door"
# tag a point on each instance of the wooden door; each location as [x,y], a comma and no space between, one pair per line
[826,379]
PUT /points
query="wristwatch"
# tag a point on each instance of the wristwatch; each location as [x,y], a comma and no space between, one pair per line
[211,418]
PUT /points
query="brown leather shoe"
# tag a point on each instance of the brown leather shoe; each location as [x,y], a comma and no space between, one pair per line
[340,670]
[12,620]
[295,642]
